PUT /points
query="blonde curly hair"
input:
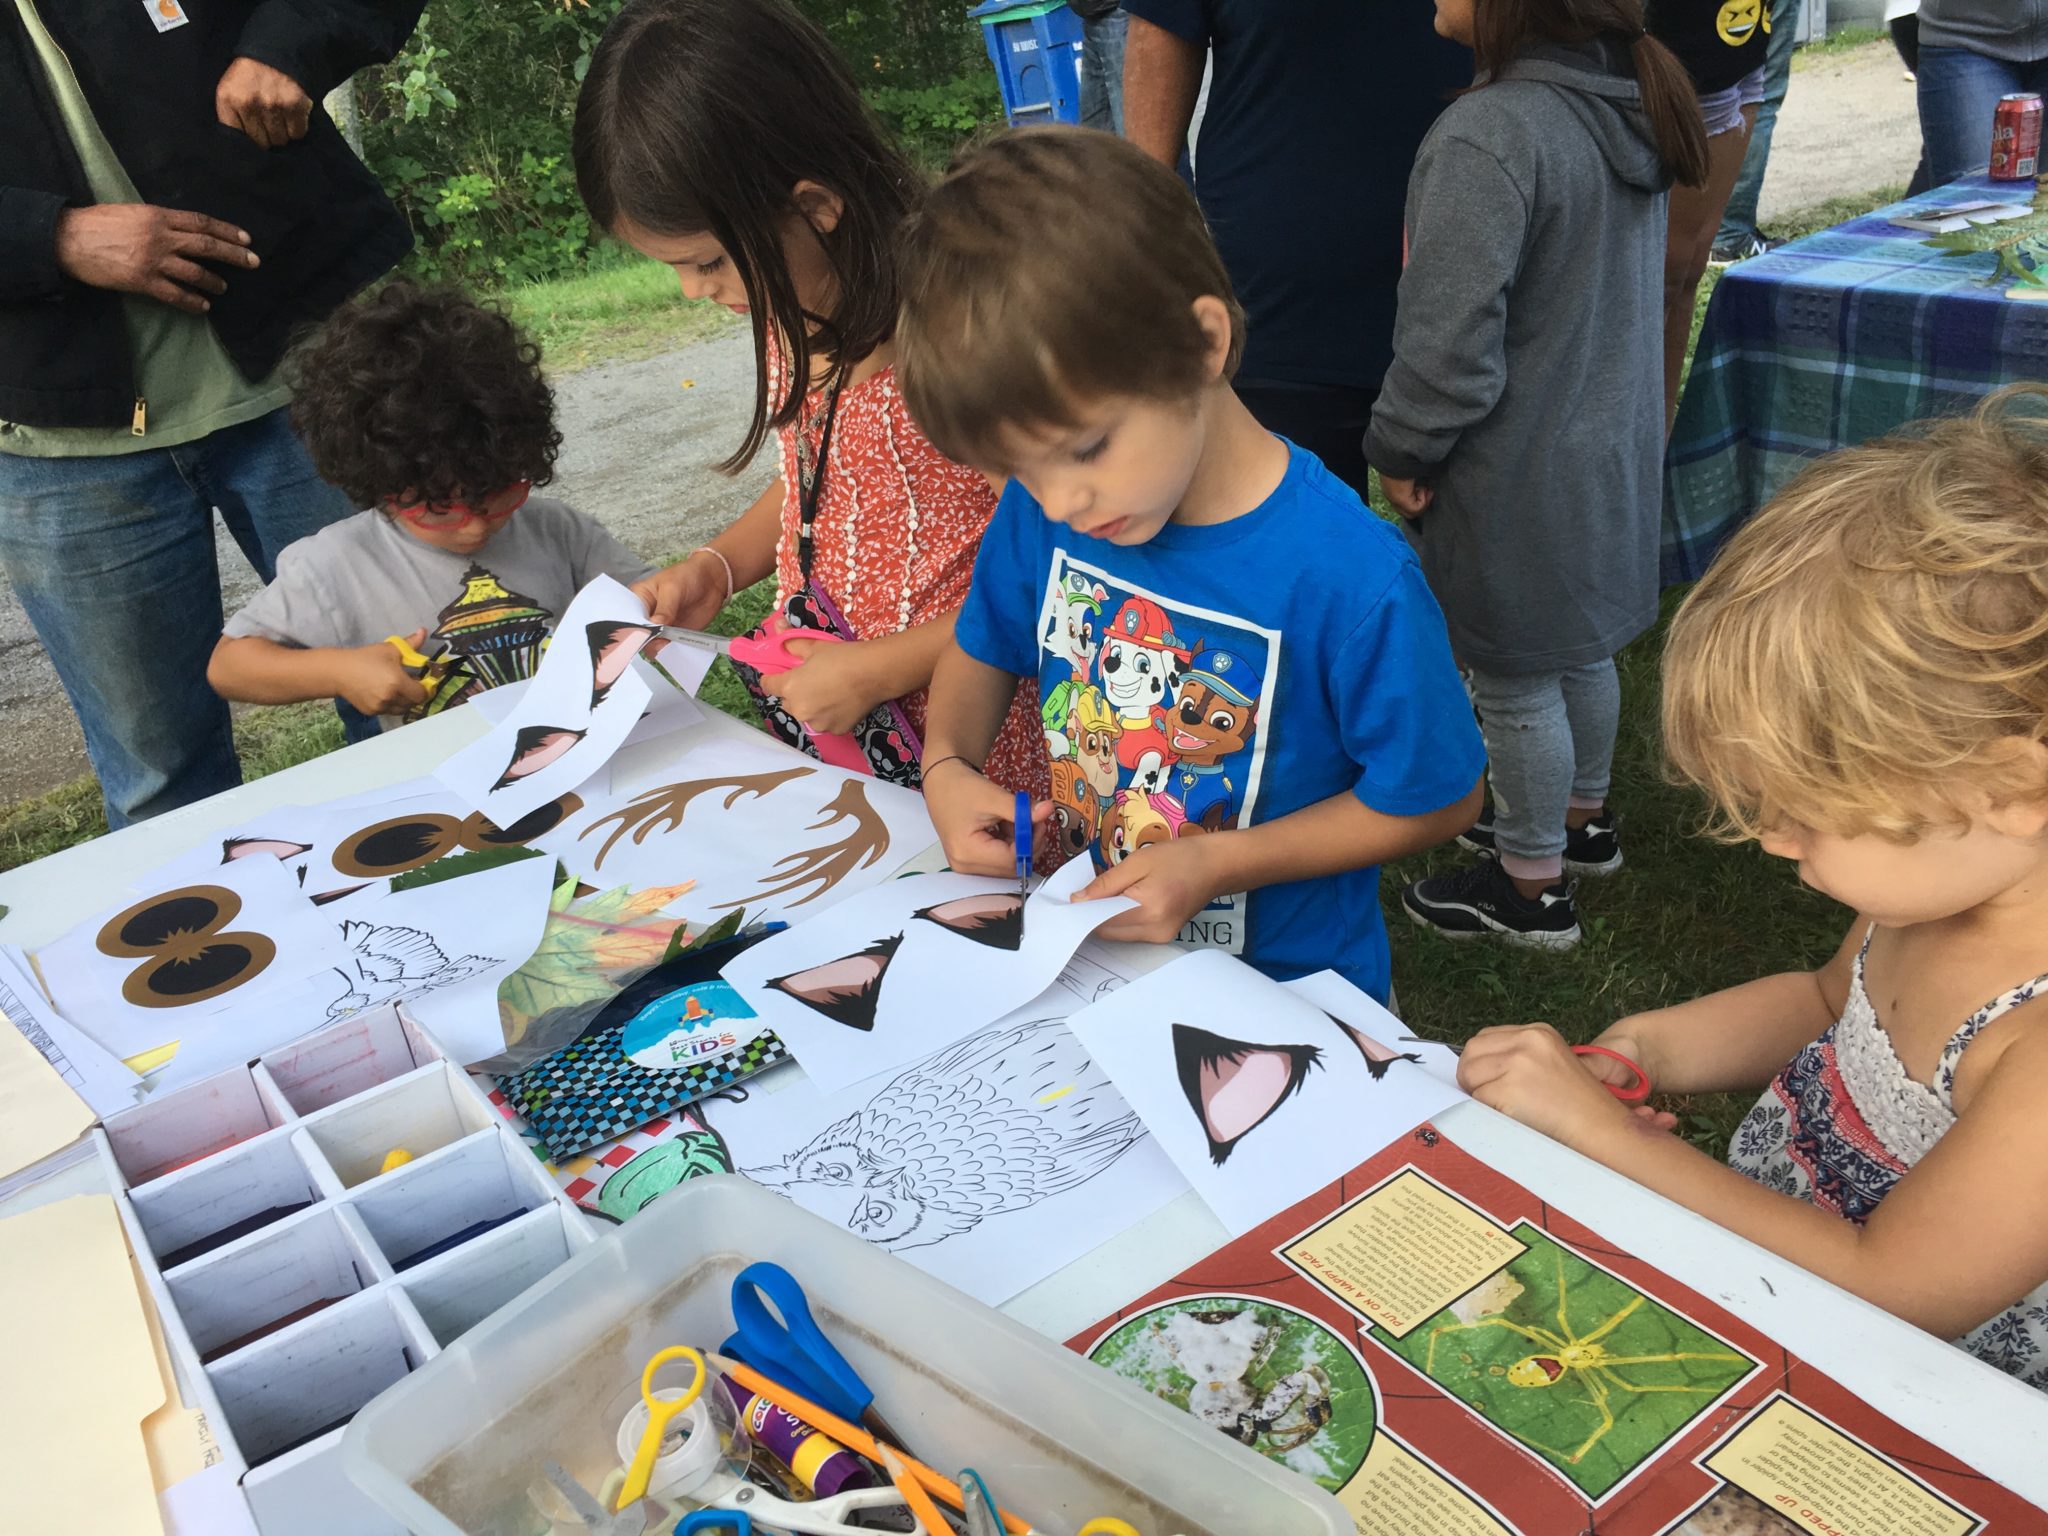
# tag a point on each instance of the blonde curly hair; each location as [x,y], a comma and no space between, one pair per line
[1869,655]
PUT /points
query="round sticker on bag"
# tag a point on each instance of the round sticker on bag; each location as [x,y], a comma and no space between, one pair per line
[688,1026]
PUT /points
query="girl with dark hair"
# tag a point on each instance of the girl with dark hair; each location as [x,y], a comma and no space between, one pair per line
[1520,430]
[727,138]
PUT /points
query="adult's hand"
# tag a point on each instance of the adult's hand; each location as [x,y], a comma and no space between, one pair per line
[141,248]
[266,104]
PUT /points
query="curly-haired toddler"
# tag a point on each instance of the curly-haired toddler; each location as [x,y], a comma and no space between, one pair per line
[430,410]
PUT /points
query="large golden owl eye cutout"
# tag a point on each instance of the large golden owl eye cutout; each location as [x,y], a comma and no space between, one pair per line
[192,956]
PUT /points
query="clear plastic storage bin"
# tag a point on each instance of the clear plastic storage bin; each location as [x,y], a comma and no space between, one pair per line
[460,1444]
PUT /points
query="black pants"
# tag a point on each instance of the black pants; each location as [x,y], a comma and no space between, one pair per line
[1328,421]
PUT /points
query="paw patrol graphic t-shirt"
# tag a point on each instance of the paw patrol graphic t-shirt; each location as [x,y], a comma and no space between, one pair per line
[1231,674]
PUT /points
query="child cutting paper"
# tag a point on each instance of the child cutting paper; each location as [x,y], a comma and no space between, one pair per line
[1244,663]
[1861,684]
[726,138]
[430,410]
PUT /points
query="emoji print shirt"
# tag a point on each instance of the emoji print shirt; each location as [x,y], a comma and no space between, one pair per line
[363,578]
[1226,675]
[1718,41]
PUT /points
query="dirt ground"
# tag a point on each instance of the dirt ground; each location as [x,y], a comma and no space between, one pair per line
[642,438]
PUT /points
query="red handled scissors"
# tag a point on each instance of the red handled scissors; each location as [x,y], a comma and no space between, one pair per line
[1628,1093]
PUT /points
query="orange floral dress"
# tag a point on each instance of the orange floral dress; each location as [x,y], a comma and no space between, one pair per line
[897,529]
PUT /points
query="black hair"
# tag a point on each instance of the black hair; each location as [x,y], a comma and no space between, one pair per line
[422,394]
[700,117]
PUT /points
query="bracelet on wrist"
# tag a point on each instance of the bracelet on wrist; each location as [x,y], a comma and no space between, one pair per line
[951,757]
[725,564]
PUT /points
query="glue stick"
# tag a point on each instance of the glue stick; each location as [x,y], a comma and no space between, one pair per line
[825,1466]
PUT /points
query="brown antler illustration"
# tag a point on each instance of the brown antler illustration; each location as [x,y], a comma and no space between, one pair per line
[662,809]
[824,867]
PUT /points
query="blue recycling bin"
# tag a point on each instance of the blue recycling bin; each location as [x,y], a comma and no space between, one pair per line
[1036,49]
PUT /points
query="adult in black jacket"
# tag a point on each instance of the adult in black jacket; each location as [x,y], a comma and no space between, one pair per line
[173,205]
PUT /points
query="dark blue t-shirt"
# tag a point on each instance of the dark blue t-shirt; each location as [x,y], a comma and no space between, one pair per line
[1230,674]
[1316,110]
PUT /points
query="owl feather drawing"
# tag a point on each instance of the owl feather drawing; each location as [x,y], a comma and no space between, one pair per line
[998,1122]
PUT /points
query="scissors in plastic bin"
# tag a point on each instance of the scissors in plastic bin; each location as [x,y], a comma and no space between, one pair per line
[733,1504]
[793,1350]
[767,652]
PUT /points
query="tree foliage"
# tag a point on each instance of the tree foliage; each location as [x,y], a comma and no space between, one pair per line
[469,127]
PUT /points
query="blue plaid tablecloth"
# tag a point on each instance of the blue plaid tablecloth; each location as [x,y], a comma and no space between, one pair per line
[1829,341]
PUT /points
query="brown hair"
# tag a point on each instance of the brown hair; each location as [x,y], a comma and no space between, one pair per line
[1501,29]
[1050,267]
[1869,649]
[700,117]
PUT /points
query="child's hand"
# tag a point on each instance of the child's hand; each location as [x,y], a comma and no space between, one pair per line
[833,689]
[974,820]
[1170,882]
[687,594]
[374,679]
[1411,498]
[1528,1072]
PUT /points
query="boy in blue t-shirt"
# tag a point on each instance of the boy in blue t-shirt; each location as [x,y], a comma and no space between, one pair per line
[1247,688]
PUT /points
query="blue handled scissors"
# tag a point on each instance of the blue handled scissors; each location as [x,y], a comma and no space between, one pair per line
[792,1349]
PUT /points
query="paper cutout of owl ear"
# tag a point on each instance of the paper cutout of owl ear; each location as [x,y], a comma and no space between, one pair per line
[534,748]
[1377,1057]
[994,918]
[845,990]
[235,848]
[1234,1086]
[613,645]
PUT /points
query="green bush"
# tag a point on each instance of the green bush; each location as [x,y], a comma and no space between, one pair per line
[469,127]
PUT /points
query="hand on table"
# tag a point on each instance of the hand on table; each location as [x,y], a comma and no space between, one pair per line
[687,595]
[141,248]
[1411,498]
[973,817]
[1171,882]
[832,689]
[374,679]
[266,104]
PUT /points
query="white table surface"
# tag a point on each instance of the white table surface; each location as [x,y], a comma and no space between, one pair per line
[1979,1415]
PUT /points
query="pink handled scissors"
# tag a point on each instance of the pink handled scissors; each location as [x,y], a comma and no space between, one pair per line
[768,653]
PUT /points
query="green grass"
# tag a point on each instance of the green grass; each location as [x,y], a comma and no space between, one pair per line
[1844,40]
[613,315]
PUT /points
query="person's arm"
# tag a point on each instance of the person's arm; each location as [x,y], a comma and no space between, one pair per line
[1962,1235]
[1162,80]
[1173,881]
[320,43]
[972,814]
[255,670]
[690,593]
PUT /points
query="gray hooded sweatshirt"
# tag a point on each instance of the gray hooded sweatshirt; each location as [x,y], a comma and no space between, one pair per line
[1527,383]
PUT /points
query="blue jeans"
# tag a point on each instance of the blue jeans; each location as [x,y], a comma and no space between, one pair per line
[113,559]
[1959,93]
[1102,72]
[1739,222]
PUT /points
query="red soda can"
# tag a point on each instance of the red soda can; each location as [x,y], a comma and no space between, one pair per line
[2016,137]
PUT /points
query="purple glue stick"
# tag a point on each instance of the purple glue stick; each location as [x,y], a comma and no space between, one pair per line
[826,1466]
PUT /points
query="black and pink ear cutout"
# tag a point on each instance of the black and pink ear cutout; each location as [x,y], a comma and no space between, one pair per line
[1377,1057]
[1234,1086]
[994,918]
[846,990]
[534,748]
[278,848]
[613,645]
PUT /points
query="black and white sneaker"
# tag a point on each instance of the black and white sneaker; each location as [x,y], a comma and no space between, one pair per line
[1594,849]
[1480,899]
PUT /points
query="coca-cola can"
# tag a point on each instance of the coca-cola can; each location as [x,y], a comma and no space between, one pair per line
[2016,137]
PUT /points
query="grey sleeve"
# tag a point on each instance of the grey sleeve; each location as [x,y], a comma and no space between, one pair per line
[298,608]
[600,554]
[1467,220]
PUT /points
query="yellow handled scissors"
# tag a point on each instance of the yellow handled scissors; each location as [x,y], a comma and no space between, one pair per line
[659,1412]
[1107,1525]
[430,671]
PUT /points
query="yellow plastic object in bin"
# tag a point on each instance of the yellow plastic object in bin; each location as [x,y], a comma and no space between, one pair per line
[459,1445]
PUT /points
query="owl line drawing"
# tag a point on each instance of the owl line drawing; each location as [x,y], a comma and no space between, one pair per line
[388,963]
[997,1122]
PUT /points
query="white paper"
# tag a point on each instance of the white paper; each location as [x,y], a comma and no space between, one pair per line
[91,1071]
[669,709]
[579,708]
[991,1163]
[208,1503]
[892,974]
[1363,1012]
[1259,1097]
[257,936]
[755,825]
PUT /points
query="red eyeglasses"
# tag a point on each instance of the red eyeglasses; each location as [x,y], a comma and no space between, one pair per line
[496,507]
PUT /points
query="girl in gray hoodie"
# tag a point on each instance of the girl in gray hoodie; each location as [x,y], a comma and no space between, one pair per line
[1521,426]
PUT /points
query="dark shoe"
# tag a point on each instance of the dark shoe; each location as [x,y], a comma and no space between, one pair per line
[1594,849]
[1480,899]
[1726,254]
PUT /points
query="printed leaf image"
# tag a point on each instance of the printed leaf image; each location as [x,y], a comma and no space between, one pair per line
[1266,1375]
[661,810]
[536,747]
[995,918]
[1234,1086]
[585,949]
[1576,1364]
[845,990]
[825,866]
[613,645]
